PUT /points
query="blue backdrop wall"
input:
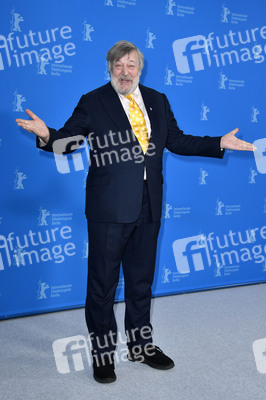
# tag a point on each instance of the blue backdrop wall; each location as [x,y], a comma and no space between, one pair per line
[209,59]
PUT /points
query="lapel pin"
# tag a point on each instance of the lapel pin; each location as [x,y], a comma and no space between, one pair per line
[150,108]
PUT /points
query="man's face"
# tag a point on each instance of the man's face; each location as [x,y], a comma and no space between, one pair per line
[125,73]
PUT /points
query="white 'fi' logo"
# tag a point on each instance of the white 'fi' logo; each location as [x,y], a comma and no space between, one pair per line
[70,354]
[191,54]
[191,253]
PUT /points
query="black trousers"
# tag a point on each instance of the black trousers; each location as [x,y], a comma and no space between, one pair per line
[133,244]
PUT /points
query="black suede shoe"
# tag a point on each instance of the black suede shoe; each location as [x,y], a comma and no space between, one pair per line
[104,372]
[151,355]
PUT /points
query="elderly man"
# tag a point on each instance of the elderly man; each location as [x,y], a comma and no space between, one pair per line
[127,126]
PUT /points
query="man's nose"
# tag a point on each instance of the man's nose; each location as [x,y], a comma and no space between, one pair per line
[125,70]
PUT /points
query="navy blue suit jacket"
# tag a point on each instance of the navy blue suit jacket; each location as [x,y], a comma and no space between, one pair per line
[115,178]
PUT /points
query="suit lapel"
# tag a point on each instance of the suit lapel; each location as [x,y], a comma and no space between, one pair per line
[114,108]
[153,112]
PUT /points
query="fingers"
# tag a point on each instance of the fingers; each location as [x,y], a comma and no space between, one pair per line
[234,131]
[30,114]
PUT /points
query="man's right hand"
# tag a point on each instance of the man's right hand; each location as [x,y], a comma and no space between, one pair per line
[35,125]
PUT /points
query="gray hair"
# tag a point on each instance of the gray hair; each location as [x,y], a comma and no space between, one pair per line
[119,50]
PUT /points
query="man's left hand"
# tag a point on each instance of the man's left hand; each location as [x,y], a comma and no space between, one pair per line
[229,141]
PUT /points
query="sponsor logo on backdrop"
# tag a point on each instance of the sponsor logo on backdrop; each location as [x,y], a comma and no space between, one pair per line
[259,350]
[87,30]
[150,37]
[19,99]
[85,250]
[264,209]
[231,17]
[120,3]
[41,292]
[204,111]
[224,253]
[166,272]
[260,155]
[107,76]
[231,84]
[170,78]
[49,46]
[180,11]
[202,177]
[46,291]
[16,19]
[170,211]
[252,174]
[254,113]
[55,218]
[41,66]
[18,181]
[51,244]
[226,209]
[196,53]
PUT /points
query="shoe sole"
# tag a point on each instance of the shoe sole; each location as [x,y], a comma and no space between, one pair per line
[107,380]
[155,366]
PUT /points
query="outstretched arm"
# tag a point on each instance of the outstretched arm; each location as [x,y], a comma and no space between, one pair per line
[34,125]
[229,141]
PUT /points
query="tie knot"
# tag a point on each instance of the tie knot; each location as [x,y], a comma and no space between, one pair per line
[130,97]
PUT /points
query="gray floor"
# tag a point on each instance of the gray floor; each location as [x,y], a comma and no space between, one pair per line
[208,334]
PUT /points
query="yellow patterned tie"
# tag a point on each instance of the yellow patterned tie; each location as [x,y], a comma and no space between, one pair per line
[138,123]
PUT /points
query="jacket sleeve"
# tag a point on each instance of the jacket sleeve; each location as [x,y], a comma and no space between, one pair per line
[189,145]
[72,134]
